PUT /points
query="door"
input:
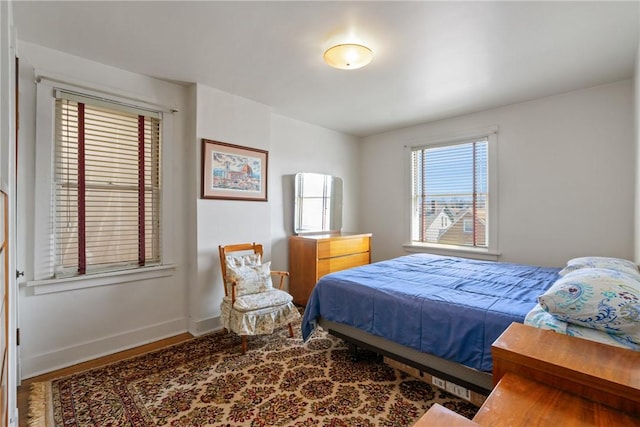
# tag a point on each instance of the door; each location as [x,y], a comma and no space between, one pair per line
[4,308]
[8,291]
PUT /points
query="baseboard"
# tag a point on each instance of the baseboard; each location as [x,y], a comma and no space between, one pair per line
[204,326]
[89,350]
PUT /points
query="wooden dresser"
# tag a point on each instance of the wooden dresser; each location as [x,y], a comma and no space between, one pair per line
[546,379]
[314,255]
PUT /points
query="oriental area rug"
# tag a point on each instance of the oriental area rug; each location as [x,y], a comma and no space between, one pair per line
[206,381]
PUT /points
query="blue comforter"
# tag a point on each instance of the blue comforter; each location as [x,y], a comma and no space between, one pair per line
[454,308]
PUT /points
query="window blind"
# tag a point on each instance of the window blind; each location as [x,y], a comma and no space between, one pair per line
[107,186]
[450,194]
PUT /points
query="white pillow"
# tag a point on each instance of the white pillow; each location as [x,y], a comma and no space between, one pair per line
[242,260]
[601,262]
[250,279]
[598,298]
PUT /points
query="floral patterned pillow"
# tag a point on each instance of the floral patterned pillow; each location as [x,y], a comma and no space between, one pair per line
[250,279]
[598,298]
[242,260]
[601,262]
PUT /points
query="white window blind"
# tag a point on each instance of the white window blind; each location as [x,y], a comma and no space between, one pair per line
[107,186]
[450,194]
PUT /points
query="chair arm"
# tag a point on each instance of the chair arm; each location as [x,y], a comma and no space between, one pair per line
[282,275]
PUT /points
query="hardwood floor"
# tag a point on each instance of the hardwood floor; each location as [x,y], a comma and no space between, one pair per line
[23,389]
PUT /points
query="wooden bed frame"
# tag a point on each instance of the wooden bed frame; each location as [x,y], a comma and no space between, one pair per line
[472,379]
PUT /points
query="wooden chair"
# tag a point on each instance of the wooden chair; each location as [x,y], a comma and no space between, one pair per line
[252,305]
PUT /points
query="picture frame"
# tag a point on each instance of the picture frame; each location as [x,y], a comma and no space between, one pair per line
[233,172]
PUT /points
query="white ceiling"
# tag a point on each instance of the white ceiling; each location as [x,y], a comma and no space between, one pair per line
[431,59]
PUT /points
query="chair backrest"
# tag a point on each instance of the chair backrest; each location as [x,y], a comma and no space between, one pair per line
[228,250]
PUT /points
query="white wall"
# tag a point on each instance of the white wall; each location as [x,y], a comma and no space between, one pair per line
[225,118]
[63,328]
[293,147]
[301,147]
[565,171]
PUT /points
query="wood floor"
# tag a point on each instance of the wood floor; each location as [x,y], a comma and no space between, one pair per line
[23,390]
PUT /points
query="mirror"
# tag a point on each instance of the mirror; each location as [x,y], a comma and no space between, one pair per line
[318,204]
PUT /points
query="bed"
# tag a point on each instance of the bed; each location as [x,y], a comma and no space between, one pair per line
[439,314]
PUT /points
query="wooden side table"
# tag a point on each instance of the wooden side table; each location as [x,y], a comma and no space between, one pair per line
[543,378]
[599,372]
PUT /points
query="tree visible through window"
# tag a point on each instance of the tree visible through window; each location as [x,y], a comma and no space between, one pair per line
[107,186]
[450,194]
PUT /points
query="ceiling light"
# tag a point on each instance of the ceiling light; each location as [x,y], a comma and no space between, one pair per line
[348,56]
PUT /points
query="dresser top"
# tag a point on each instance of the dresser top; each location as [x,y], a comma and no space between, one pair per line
[333,236]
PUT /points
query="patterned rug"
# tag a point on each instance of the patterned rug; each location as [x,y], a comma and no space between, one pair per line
[280,381]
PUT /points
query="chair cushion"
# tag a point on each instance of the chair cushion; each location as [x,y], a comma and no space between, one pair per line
[249,278]
[263,321]
[270,298]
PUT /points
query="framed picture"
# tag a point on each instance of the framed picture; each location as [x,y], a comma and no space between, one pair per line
[233,172]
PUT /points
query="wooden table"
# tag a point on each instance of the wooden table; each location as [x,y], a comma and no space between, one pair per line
[595,371]
[547,379]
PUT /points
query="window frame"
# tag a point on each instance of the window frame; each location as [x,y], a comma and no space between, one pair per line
[491,251]
[44,280]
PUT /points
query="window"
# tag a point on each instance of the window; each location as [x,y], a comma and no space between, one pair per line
[452,199]
[107,186]
[100,200]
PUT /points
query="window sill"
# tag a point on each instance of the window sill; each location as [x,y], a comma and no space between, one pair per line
[484,254]
[48,286]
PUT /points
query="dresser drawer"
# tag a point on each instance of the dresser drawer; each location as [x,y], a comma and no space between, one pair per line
[315,255]
[339,247]
[330,265]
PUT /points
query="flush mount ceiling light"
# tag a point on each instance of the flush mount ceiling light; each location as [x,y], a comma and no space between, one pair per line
[348,56]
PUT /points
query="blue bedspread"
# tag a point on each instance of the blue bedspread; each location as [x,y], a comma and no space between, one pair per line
[454,308]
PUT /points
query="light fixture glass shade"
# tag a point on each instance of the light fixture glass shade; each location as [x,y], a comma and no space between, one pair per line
[348,56]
